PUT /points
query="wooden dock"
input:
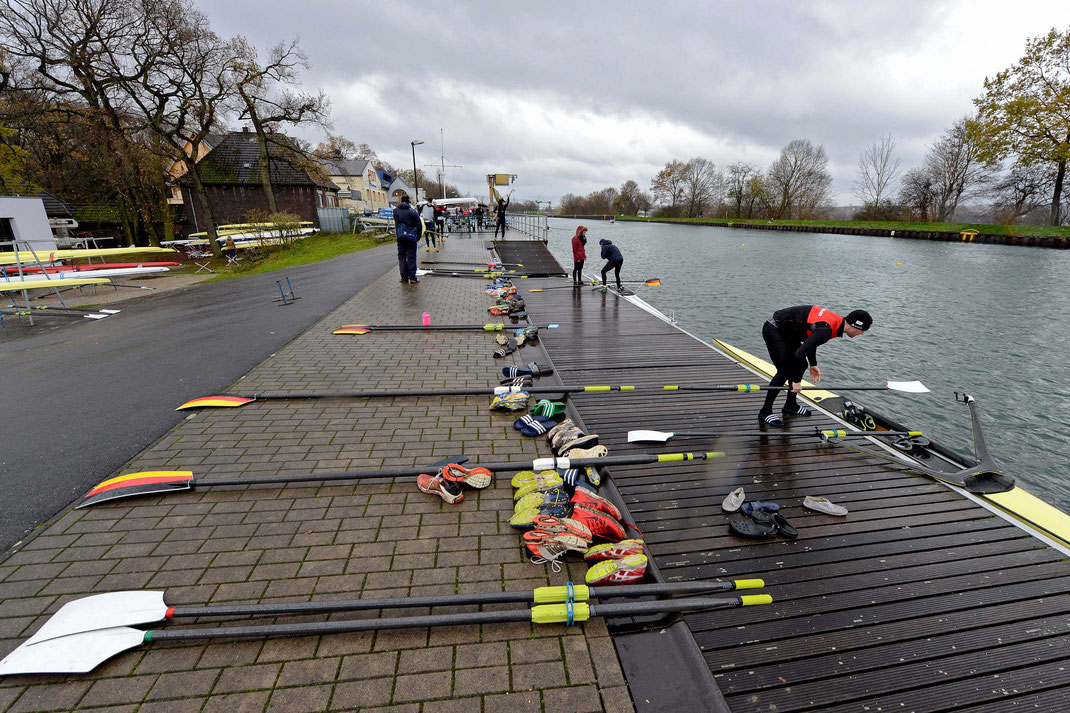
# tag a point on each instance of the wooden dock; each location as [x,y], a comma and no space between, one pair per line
[920,599]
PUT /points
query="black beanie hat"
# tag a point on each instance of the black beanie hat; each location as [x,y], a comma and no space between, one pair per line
[859,319]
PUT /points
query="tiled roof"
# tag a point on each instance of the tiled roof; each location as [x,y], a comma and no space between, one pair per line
[345,167]
[236,160]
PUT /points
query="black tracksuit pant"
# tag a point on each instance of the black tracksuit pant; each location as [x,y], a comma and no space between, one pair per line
[789,368]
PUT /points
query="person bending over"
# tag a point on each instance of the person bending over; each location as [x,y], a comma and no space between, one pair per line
[579,254]
[792,337]
[614,260]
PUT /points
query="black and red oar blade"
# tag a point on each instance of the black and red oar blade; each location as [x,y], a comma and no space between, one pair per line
[217,401]
[145,483]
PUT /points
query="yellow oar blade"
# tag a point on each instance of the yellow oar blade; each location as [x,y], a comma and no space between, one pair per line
[220,401]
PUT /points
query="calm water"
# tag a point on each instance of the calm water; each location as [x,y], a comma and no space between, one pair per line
[987,319]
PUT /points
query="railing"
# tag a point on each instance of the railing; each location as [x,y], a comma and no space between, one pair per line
[524,226]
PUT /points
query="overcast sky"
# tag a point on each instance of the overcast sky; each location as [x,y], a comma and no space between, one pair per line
[576,96]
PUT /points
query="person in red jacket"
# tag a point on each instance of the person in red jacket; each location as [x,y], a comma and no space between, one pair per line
[792,337]
[578,254]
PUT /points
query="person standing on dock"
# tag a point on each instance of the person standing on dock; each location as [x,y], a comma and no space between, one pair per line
[407,231]
[614,260]
[480,212]
[579,254]
[427,215]
[499,214]
[792,337]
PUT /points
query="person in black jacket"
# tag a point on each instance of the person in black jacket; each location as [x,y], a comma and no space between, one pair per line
[407,231]
[499,214]
[792,337]
[614,260]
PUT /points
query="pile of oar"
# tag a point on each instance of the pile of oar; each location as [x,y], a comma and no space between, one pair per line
[87,632]
[663,436]
[652,282]
[235,400]
[368,328]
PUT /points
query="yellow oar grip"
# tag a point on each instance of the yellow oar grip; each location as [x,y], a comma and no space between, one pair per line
[749,583]
[749,600]
[671,388]
[915,433]
[627,388]
[552,595]
[675,457]
[835,433]
[493,327]
[558,613]
[747,388]
[597,388]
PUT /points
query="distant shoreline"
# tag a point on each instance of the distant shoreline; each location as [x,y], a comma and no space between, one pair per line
[1043,236]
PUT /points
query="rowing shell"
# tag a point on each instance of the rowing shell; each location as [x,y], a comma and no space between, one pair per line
[52,255]
[92,268]
[1018,504]
[13,285]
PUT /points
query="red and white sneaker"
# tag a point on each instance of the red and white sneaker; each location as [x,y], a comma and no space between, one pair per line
[472,477]
[551,546]
[596,502]
[552,524]
[599,523]
[623,571]
[437,485]
[614,550]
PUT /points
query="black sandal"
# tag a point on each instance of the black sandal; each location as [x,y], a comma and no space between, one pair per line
[753,530]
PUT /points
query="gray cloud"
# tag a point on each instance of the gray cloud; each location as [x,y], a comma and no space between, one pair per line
[576,96]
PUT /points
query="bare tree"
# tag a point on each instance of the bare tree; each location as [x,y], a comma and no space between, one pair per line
[668,185]
[916,193]
[799,180]
[1022,190]
[878,172]
[268,104]
[702,185]
[336,147]
[954,168]
[738,184]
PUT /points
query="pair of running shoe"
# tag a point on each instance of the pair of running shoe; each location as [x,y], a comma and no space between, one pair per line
[448,482]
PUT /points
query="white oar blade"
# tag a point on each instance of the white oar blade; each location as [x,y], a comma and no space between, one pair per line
[421,273]
[649,436]
[101,611]
[911,387]
[76,653]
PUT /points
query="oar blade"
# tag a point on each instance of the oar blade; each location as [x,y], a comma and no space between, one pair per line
[76,653]
[538,289]
[649,436]
[352,329]
[217,401]
[911,387]
[144,483]
[653,282]
[102,611]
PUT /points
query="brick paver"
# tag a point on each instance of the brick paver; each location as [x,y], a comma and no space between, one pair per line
[340,540]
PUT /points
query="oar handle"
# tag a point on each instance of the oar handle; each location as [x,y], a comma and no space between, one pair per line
[581,611]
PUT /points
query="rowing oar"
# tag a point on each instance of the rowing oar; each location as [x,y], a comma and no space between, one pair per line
[82,651]
[662,436]
[477,275]
[654,281]
[235,400]
[158,482]
[366,328]
[464,262]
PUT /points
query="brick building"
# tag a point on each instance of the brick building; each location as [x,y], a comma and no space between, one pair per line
[230,172]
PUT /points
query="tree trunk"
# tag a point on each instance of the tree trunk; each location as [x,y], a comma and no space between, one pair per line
[162,193]
[1056,198]
[206,205]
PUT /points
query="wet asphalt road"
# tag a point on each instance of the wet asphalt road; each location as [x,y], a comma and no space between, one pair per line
[79,401]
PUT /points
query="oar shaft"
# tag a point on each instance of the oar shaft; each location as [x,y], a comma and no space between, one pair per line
[831,433]
[540,614]
[538,464]
[542,595]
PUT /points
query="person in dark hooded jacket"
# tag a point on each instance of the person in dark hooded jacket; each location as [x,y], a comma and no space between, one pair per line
[614,260]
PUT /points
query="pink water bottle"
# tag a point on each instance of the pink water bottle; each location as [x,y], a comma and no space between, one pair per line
[427,319]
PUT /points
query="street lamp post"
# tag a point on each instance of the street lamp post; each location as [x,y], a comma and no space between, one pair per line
[415,177]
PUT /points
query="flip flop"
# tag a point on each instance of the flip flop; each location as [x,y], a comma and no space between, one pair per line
[752,530]
[534,426]
[824,505]
[733,500]
[509,348]
[548,408]
[785,528]
[751,507]
[514,371]
[542,370]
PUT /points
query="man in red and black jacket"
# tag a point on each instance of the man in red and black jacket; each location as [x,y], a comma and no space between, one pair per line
[793,336]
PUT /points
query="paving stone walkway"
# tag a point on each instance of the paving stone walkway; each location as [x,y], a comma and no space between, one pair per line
[372,539]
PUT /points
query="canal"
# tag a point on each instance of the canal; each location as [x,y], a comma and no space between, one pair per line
[991,320]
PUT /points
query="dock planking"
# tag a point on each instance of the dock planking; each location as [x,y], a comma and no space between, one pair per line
[919,600]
